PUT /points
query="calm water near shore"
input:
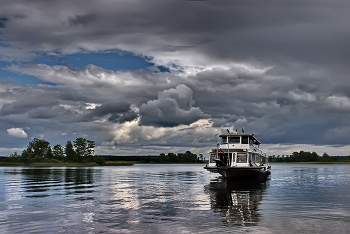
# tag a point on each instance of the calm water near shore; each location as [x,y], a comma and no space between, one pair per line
[173,199]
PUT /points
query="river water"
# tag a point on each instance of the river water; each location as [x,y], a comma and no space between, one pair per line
[173,199]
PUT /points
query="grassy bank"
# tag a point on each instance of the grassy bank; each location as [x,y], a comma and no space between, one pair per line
[65,164]
[119,163]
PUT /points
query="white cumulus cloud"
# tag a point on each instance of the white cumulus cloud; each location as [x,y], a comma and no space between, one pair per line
[17,132]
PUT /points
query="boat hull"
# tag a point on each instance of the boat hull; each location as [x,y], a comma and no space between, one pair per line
[234,173]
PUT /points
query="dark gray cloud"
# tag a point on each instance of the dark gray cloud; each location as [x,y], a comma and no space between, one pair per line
[172,108]
[46,112]
[82,19]
[3,22]
[111,108]
[36,100]
[117,112]
[272,31]
[125,117]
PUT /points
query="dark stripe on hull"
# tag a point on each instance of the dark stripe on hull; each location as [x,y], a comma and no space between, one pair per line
[233,173]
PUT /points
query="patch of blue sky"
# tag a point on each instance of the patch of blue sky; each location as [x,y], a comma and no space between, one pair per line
[3,43]
[111,60]
[163,69]
[115,61]
[3,22]
[4,63]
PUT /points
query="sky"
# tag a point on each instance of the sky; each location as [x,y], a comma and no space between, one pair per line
[158,76]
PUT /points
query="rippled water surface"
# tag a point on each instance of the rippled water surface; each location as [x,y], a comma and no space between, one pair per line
[173,199]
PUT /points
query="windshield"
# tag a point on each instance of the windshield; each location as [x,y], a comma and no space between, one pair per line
[236,139]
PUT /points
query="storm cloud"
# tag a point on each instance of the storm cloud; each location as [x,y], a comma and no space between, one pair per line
[172,108]
[278,69]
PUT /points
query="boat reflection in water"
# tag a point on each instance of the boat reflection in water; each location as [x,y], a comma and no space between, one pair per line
[237,202]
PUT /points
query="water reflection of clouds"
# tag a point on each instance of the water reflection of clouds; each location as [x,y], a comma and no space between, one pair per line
[124,194]
[13,195]
[123,202]
[154,195]
[13,191]
[47,195]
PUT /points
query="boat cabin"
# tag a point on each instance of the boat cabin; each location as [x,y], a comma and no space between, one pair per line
[237,150]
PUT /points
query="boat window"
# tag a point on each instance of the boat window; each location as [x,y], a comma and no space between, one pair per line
[234,139]
[244,139]
[223,140]
[252,158]
[258,159]
[242,158]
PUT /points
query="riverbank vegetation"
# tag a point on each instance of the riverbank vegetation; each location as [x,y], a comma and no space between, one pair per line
[309,157]
[39,153]
[187,157]
[80,152]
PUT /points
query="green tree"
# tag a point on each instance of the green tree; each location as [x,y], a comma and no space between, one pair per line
[325,157]
[180,156]
[58,152]
[173,157]
[91,148]
[201,158]
[164,158]
[84,148]
[38,148]
[25,154]
[189,157]
[313,157]
[69,152]
[48,153]
[14,155]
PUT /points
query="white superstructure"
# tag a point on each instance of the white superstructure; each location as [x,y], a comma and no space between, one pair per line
[238,155]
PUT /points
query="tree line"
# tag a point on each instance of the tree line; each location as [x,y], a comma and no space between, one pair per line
[305,156]
[187,157]
[82,151]
[38,150]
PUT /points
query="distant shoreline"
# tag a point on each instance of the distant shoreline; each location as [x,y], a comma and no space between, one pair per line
[309,162]
[90,164]
[65,164]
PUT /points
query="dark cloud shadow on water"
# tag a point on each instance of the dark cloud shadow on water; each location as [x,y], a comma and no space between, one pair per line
[237,202]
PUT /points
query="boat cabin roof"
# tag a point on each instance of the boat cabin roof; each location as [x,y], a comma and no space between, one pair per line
[251,136]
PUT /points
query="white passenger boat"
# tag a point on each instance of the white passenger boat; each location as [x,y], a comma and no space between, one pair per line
[238,155]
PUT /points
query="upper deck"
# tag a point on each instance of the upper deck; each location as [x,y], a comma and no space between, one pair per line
[239,141]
